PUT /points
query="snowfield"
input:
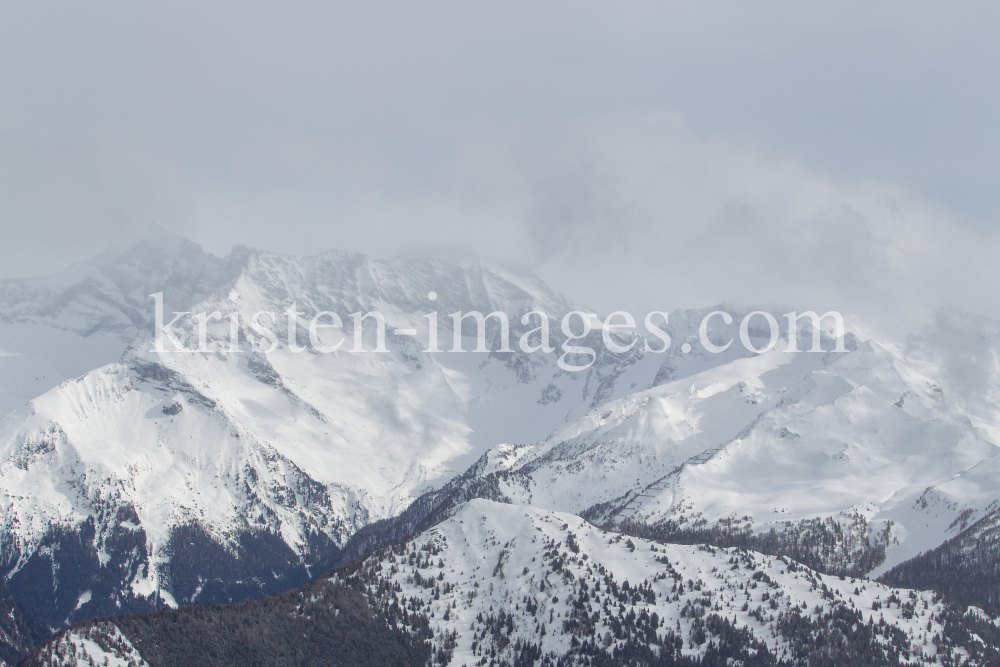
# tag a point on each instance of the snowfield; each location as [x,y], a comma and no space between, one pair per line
[132,477]
[494,576]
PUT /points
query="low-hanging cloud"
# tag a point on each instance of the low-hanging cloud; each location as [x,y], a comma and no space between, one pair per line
[666,156]
[644,206]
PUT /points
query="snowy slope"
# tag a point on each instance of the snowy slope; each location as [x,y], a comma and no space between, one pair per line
[495,578]
[102,644]
[59,327]
[504,585]
[176,476]
[131,452]
[307,447]
[862,437]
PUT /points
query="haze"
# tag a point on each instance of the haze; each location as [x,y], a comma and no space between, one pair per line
[822,155]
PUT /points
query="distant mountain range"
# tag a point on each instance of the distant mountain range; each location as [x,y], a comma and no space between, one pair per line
[134,479]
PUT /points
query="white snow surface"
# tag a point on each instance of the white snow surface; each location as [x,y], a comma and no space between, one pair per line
[293,442]
[330,442]
[776,438]
[100,644]
[492,557]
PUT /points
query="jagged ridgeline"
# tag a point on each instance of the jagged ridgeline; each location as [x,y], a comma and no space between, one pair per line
[504,585]
[134,479]
[825,545]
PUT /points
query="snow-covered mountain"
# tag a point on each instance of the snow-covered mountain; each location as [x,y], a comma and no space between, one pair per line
[498,580]
[505,585]
[133,476]
[59,327]
[151,460]
[770,442]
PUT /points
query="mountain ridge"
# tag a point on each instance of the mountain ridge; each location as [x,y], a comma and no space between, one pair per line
[171,477]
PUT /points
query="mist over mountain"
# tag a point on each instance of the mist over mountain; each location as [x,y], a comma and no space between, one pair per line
[137,477]
[659,158]
[520,334]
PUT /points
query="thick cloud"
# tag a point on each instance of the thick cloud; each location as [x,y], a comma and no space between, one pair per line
[644,204]
[838,155]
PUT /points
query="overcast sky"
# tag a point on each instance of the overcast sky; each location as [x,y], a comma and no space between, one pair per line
[636,155]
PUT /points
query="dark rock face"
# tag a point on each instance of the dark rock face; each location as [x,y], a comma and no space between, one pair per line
[173,409]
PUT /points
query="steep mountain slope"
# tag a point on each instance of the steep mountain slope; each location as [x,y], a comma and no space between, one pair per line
[966,568]
[167,475]
[177,476]
[506,585]
[860,441]
[19,632]
[320,625]
[59,327]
